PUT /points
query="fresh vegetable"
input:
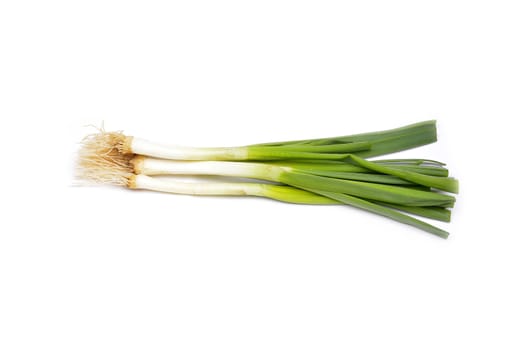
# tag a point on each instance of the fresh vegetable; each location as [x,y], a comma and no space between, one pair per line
[316,171]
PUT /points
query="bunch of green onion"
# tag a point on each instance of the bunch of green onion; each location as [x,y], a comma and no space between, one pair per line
[333,170]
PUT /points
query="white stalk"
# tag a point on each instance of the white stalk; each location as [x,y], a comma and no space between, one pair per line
[153,166]
[159,150]
[192,188]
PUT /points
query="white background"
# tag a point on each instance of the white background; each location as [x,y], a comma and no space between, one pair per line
[109,268]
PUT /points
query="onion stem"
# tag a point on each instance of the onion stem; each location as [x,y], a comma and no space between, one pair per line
[384,211]
[441,183]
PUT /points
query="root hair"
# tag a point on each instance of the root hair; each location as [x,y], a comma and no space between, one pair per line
[100,159]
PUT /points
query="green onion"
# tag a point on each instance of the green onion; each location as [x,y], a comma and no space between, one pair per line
[364,145]
[313,171]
